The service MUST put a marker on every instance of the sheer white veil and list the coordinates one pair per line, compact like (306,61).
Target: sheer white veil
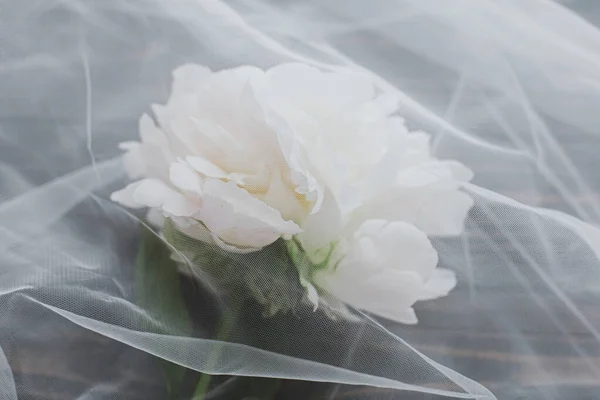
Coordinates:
(510,88)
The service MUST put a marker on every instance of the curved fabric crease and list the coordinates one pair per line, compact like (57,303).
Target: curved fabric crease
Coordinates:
(282,367)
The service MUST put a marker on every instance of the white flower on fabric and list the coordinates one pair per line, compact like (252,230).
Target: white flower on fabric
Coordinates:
(243,157)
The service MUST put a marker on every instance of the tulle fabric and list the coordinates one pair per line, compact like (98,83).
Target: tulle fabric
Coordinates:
(510,88)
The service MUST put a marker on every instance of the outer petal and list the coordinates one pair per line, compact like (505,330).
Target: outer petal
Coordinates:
(133,160)
(125,196)
(152,193)
(185,178)
(154,152)
(407,316)
(156,194)
(151,134)
(439,285)
(436,212)
(179,205)
(198,231)
(239,219)
(292,150)
(427,196)
(384,271)
(281,196)
(396,245)
(177,121)
(205,167)
(323,227)
(388,294)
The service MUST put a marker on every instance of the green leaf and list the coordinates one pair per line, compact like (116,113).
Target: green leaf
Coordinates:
(267,276)
(157,290)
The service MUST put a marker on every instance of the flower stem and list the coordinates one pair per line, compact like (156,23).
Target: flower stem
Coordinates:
(225,325)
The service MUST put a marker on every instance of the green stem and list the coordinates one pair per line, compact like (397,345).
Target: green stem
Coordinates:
(222,334)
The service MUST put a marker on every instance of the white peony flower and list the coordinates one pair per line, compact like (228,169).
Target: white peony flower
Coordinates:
(243,157)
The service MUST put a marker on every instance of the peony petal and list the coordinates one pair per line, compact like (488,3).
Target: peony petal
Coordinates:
(406,316)
(155,193)
(155,150)
(294,154)
(125,196)
(388,294)
(439,285)
(193,229)
(205,167)
(396,245)
(282,197)
(162,118)
(442,213)
(245,204)
(133,160)
(215,133)
(323,227)
(240,219)
(232,229)
(179,205)
(198,231)
(423,175)
(419,143)
(392,294)
(428,198)
(232,248)
(151,192)
(384,269)
(185,178)
(459,171)
(150,133)
(380,107)
(177,120)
